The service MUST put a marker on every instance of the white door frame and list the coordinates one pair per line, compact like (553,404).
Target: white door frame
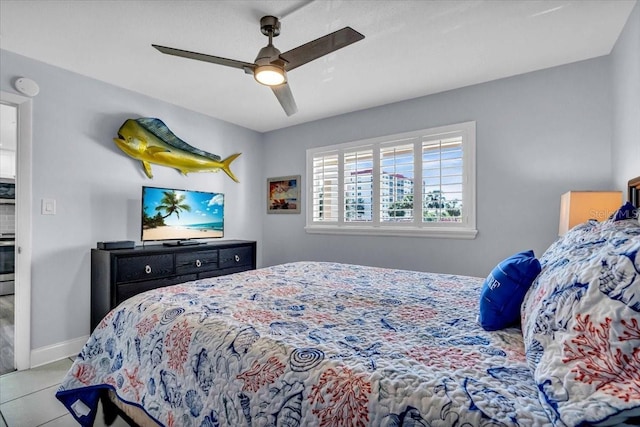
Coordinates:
(22,321)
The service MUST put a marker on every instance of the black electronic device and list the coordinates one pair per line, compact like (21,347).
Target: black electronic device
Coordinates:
(181,215)
(117,244)
(183,243)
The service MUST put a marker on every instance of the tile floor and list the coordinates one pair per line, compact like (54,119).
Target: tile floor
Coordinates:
(27,398)
(7,313)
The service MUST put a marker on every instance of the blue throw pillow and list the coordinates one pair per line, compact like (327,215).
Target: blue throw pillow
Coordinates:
(504,289)
(626,211)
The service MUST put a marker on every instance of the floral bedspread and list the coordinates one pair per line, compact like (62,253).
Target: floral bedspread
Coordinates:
(312,344)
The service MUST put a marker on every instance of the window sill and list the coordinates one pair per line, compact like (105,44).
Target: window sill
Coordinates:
(438,232)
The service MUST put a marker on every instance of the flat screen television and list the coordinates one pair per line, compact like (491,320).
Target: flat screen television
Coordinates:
(181,216)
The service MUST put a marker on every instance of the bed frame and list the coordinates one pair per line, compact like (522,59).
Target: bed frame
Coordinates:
(634,191)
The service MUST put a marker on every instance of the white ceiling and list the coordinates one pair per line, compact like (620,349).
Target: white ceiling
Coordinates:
(411,48)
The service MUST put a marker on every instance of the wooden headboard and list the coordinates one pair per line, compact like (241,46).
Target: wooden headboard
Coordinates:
(634,191)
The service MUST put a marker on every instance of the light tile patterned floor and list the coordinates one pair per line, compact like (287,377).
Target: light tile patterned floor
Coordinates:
(27,398)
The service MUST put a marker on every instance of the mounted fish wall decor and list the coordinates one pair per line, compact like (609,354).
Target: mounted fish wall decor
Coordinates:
(151,141)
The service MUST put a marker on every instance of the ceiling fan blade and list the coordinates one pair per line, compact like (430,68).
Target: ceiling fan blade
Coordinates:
(315,49)
(206,58)
(284,95)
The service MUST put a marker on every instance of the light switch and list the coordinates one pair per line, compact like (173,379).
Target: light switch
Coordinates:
(48,206)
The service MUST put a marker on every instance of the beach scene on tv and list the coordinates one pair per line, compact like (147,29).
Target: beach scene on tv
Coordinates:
(181,214)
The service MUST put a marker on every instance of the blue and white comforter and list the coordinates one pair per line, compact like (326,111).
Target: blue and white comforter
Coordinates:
(312,344)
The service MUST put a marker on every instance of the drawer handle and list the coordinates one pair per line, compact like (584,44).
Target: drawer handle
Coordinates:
(147,269)
(198,263)
(237,257)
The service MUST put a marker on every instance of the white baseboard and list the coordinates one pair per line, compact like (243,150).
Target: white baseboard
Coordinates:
(51,353)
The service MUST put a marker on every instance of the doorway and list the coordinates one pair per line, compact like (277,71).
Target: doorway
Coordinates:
(22,107)
(8,146)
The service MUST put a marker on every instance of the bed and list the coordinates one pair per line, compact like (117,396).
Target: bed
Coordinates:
(326,344)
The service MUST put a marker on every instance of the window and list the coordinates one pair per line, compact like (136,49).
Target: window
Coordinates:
(417,183)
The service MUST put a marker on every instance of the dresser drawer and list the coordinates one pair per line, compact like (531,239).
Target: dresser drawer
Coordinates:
(234,269)
(193,262)
(145,267)
(235,257)
(127,290)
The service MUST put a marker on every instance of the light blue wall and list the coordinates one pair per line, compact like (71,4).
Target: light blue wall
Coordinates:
(626,105)
(98,188)
(538,136)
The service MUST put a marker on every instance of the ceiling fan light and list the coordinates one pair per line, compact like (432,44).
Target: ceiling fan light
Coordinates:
(269,75)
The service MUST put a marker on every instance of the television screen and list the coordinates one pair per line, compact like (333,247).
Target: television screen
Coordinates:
(171,214)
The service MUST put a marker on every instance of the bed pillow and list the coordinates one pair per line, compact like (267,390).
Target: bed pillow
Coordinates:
(626,211)
(504,289)
(581,325)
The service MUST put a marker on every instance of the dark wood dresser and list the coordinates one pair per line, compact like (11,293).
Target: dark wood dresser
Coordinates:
(122,273)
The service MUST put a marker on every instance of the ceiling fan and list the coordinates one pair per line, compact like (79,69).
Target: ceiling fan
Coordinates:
(270,66)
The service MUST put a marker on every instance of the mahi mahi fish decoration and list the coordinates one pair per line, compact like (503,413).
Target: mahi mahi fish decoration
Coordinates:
(151,141)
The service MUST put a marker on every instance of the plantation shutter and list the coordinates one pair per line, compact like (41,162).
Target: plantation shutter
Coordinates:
(325,188)
(442,175)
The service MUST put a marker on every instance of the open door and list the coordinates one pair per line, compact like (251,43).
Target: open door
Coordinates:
(22,276)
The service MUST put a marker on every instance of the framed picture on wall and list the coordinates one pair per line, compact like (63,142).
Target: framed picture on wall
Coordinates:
(283,194)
